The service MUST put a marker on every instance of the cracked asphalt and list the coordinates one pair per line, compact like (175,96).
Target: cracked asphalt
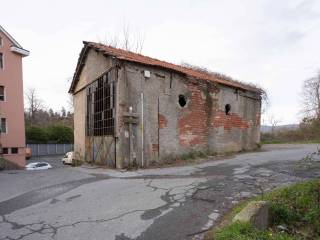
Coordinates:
(165,203)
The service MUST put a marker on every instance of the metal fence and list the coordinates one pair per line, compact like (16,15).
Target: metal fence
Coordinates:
(49,149)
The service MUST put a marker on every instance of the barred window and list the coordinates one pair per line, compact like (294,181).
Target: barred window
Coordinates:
(101,106)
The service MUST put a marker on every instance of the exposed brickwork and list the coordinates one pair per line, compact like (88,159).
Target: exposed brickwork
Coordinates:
(192,125)
(155,148)
(258,119)
(233,120)
(162,121)
(198,126)
(201,115)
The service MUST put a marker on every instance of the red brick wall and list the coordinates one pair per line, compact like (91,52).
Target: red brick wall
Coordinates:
(193,129)
(201,115)
(155,148)
(220,119)
(162,121)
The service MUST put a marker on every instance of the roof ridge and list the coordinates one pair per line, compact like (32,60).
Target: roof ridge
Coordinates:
(131,52)
(195,72)
(10,37)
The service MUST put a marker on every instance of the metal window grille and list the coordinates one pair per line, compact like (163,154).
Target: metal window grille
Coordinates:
(101,106)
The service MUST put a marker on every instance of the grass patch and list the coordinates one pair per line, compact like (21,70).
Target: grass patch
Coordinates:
(277,141)
(244,231)
(193,155)
(296,208)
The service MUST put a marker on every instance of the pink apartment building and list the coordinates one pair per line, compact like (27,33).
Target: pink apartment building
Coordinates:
(12,135)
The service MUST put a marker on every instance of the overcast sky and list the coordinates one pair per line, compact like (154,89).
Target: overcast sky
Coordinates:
(275,44)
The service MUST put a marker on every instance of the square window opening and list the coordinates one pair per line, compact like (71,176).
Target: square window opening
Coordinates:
(14,150)
(4,150)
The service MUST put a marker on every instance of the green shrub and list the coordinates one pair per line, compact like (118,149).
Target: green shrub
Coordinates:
(36,135)
(297,207)
(245,231)
(192,155)
(60,134)
(308,131)
(53,133)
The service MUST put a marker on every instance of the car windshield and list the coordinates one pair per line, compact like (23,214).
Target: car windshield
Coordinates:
(41,165)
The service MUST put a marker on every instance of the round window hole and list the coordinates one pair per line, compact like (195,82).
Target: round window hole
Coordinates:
(182,100)
(227,109)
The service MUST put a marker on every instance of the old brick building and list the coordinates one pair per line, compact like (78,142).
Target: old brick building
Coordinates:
(130,108)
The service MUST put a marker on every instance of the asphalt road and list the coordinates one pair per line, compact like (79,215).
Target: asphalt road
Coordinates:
(166,203)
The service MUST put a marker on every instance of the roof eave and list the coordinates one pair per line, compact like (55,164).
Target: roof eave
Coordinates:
(235,85)
(21,51)
(78,68)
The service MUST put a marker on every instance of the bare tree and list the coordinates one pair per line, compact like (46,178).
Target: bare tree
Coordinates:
(63,112)
(274,122)
(34,104)
(126,40)
(311,97)
(70,103)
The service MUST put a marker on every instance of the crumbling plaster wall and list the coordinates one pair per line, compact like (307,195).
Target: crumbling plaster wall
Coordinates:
(168,129)
(201,125)
(95,65)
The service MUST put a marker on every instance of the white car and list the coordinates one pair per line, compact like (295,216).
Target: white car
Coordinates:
(38,166)
(67,159)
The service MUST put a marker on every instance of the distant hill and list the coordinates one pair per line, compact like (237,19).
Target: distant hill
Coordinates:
(266,128)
